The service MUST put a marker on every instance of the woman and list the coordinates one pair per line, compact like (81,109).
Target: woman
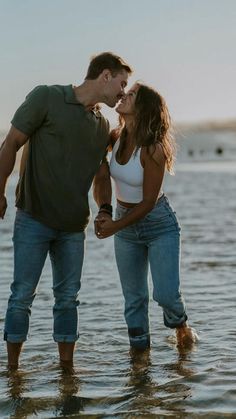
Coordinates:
(146,228)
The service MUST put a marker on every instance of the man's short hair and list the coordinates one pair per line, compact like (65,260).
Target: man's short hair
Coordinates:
(109,61)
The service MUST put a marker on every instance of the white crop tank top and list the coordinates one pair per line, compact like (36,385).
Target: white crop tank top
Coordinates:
(128,178)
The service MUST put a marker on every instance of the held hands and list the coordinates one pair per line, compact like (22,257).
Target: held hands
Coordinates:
(3,206)
(104,226)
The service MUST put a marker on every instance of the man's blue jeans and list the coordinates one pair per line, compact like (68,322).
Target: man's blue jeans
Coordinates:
(154,240)
(32,242)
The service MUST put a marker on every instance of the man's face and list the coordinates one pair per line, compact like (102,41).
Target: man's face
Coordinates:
(114,88)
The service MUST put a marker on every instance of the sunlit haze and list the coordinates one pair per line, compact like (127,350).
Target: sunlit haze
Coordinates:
(183,48)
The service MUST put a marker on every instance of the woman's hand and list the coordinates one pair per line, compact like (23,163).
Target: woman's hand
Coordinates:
(100,218)
(106,228)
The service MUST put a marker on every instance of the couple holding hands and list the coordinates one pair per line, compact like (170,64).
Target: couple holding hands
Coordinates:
(66,140)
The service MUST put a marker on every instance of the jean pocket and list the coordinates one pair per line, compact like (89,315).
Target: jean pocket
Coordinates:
(172,215)
(162,218)
(21,218)
(157,214)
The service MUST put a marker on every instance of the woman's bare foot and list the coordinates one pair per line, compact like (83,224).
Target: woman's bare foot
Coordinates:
(185,336)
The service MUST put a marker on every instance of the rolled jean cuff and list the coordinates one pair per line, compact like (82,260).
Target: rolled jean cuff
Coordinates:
(176,323)
(140,342)
(14,338)
(65,338)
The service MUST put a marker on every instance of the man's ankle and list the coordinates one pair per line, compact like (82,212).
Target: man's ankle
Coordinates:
(13,351)
(66,351)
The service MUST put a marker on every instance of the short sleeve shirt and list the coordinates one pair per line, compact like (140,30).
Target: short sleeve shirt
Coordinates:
(66,146)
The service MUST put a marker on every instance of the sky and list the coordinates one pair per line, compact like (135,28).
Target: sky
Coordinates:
(183,48)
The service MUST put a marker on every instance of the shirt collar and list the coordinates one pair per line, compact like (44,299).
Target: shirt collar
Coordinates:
(70,98)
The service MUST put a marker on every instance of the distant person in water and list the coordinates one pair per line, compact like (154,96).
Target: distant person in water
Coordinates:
(146,229)
(67,139)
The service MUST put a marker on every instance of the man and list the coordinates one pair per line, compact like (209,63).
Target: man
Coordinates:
(66,139)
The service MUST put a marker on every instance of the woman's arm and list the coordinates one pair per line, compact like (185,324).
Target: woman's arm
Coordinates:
(154,169)
(102,185)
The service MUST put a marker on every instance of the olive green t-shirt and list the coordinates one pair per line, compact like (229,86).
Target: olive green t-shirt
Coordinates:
(66,146)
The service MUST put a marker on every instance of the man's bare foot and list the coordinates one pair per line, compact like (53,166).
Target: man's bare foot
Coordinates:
(12,367)
(13,351)
(66,366)
(185,336)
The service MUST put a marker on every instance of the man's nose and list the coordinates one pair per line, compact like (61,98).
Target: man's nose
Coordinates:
(121,95)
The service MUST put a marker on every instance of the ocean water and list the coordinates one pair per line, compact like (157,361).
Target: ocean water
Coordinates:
(107,381)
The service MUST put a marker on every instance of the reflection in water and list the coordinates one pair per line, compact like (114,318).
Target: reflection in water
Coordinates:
(176,390)
(168,381)
(17,386)
(147,393)
(180,367)
(141,386)
(68,402)
(140,379)
(143,392)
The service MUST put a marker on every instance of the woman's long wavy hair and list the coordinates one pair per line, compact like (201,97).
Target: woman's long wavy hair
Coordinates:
(152,125)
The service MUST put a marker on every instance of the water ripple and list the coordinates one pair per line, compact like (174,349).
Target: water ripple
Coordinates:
(108,380)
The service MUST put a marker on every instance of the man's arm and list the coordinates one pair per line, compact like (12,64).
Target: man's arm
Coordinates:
(15,139)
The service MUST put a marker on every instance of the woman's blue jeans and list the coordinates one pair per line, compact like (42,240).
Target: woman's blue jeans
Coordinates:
(154,240)
(32,242)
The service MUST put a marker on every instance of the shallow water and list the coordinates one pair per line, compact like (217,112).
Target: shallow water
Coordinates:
(107,380)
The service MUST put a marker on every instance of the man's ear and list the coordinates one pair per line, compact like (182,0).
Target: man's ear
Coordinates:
(106,75)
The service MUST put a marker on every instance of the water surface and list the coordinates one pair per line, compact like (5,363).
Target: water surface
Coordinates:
(107,381)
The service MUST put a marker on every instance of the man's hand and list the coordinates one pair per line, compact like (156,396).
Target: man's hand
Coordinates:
(3,206)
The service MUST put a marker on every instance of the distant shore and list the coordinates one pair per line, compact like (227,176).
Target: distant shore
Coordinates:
(227,125)
(208,126)
(204,126)
(181,130)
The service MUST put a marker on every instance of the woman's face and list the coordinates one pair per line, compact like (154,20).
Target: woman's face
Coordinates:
(127,103)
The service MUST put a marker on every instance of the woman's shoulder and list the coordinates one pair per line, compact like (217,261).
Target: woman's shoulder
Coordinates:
(154,152)
(113,138)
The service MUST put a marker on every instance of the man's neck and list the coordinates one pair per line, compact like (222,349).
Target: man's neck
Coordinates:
(86,94)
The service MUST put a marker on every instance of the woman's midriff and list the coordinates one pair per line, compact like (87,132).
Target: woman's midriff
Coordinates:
(131,205)
(126,204)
